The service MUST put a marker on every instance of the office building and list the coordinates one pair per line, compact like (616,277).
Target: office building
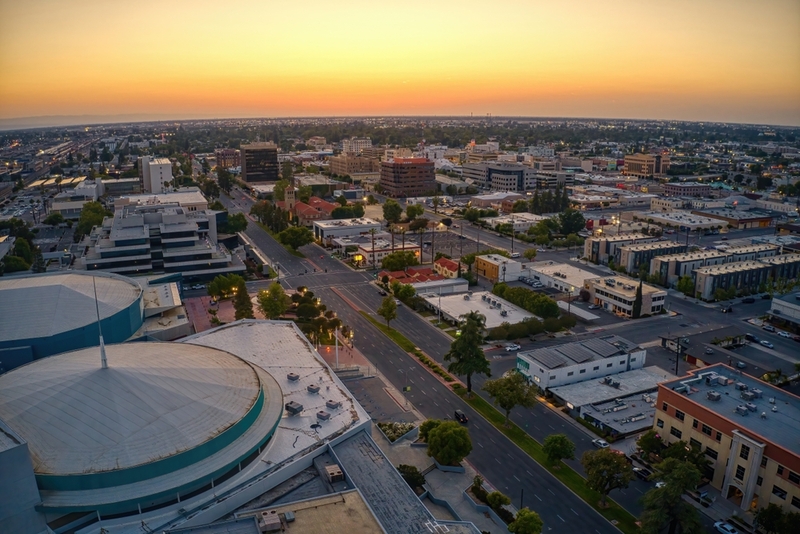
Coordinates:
(561,276)
(494,200)
(448,268)
(495,310)
(259,162)
(617,294)
(569,363)
(646,166)
(687,189)
(227,157)
(373,252)
(155,173)
(747,429)
(407,177)
(500,176)
(163,238)
(122,186)
(355,145)
(189,198)
(497,268)
(347,164)
(599,249)
(520,222)
(631,257)
(785,310)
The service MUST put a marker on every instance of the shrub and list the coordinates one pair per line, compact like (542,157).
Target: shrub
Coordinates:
(426,427)
(395,431)
(411,475)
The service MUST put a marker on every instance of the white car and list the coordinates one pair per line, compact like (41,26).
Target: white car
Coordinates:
(541,250)
(512,347)
(784,334)
(725,528)
(600,443)
(767,344)
(660,484)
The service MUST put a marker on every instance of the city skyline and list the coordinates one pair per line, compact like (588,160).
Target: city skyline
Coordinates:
(698,61)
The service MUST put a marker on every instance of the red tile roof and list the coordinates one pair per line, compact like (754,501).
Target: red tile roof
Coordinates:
(448,264)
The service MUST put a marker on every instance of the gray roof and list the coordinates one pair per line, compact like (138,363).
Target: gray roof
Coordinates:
(781,427)
(577,352)
(154,400)
(630,383)
(245,525)
(45,305)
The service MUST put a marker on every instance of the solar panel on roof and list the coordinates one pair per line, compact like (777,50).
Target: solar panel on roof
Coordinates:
(603,348)
(576,352)
(548,358)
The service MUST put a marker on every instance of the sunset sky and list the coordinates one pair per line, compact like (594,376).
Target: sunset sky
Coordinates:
(720,60)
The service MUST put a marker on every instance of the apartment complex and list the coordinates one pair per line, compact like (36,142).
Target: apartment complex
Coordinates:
(163,238)
(497,268)
(227,157)
(259,162)
(600,248)
(631,257)
(347,164)
(741,275)
(646,165)
(746,428)
(407,177)
(673,266)
(500,176)
(580,360)
(617,294)
(155,173)
(355,145)
(687,189)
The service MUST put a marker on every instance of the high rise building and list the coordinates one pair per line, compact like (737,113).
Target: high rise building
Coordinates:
(227,157)
(646,165)
(155,172)
(259,162)
(407,177)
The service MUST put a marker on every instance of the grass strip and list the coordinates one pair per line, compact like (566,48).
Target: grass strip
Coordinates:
(404,343)
(625,521)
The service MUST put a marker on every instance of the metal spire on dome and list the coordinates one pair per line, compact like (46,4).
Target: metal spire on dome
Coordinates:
(103,361)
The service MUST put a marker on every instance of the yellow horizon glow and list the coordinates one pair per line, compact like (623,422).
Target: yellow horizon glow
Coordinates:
(707,60)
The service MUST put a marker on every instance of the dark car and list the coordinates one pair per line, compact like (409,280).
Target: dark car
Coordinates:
(751,337)
(766,296)
(727,309)
(748,300)
(642,473)
(381,292)
(460,416)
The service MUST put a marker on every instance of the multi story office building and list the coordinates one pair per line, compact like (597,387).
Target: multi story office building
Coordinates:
(646,165)
(163,238)
(155,172)
(500,176)
(631,257)
(747,428)
(355,145)
(617,294)
(687,189)
(259,162)
(227,157)
(551,180)
(370,253)
(600,248)
(580,360)
(347,164)
(407,177)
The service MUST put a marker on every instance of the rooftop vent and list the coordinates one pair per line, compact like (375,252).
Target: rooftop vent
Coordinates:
(741,410)
(334,473)
(757,392)
(713,395)
(741,386)
(294,408)
(748,395)
(293,377)
(269,521)
(333,404)
(313,388)
(750,406)
(323,415)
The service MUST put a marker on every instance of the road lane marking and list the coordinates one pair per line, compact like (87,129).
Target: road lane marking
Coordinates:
(518,480)
(574,512)
(540,499)
(531,474)
(551,491)
(561,518)
(498,461)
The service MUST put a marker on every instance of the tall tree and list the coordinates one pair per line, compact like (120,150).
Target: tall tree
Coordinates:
(685,285)
(636,312)
(558,447)
(770,518)
(273,301)
(526,522)
(509,391)
(242,304)
(605,471)
(296,236)
(414,210)
(392,211)
(466,355)
(665,507)
(388,309)
(449,443)
(38,265)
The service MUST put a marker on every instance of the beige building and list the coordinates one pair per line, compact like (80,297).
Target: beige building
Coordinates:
(646,165)
(600,248)
(352,164)
(747,428)
(618,293)
(631,257)
(497,268)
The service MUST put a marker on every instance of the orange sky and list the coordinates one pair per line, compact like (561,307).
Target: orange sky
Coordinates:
(726,60)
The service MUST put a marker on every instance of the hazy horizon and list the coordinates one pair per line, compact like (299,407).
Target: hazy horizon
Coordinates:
(733,61)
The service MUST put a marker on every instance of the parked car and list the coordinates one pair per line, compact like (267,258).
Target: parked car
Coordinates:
(768,328)
(752,337)
(460,416)
(784,334)
(642,473)
(515,255)
(512,347)
(397,301)
(381,292)
(725,528)
(594,306)
(723,238)
(600,443)
(709,351)
(741,365)
(765,343)
(727,309)
(660,484)
(767,296)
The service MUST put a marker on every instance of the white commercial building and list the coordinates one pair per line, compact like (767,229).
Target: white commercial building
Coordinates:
(520,221)
(561,276)
(580,360)
(328,230)
(496,310)
(190,198)
(155,172)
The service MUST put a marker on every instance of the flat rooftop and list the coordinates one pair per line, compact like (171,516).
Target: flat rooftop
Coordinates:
(577,352)
(684,218)
(598,391)
(623,285)
(732,267)
(791,298)
(692,256)
(736,215)
(340,223)
(247,525)
(625,237)
(781,427)
(782,259)
(454,306)
(656,245)
(570,274)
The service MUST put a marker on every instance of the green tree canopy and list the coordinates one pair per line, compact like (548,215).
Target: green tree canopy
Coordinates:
(418,224)
(414,210)
(236,223)
(242,304)
(558,447)
(398,261)
(526,522)
(13,264)
(53,219)
(636,312)
(770,518)
(388,309)
(509,391)
(426,427)
(466,356)
(685,285)
(222,286)
(665,507)
(571,221)
(296,236)
(22,249)
(392,211)
(92,215)
(606,470)
(449,443)
(651,442)
(529,254)
(279,192)
(273,301)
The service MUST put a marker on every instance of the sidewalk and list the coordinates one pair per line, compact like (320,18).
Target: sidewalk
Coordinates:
(446,486)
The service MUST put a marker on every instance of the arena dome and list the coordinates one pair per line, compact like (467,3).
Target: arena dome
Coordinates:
(162,419)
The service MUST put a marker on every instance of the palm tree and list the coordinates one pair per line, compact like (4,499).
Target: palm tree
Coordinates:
(372,233)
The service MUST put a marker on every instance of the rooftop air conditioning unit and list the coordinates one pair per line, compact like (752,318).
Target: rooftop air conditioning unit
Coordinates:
(751,406)
(332,404)
(293,377)
(757,392)
(741,386)
(741,410)
(713,395)
(312,388)
(748,395)
(294,408)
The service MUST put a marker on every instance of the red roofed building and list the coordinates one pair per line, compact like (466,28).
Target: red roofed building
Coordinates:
(411,275)
(446,267)
(306,213)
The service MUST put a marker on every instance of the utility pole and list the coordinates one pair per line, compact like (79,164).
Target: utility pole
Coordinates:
(461,252)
